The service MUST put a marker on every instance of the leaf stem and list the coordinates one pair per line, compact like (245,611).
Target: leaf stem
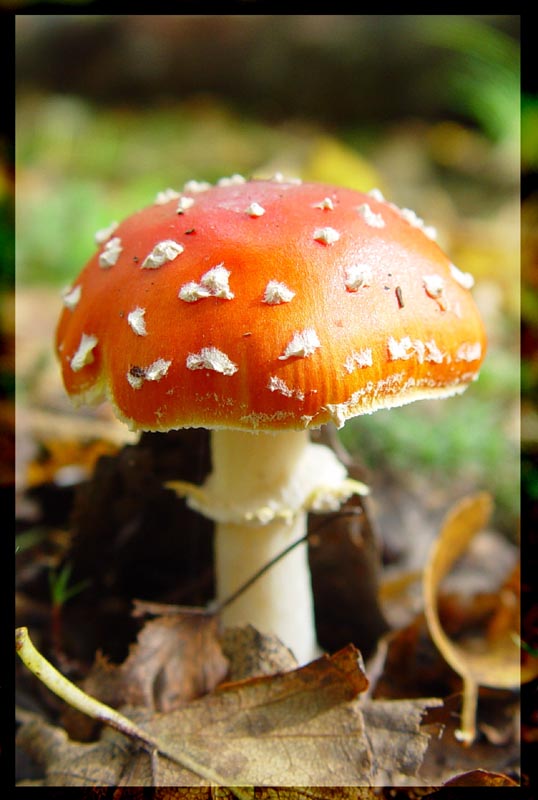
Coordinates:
(70,693)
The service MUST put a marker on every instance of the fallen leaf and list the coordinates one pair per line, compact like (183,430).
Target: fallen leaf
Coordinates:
(397,738)
(251,653)
(407,663)
(489,660)
(305,727)
(298,728)
(69,763)
(176,659)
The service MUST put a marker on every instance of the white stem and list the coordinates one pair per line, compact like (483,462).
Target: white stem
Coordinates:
(278,602)
(259,491)
(247,466)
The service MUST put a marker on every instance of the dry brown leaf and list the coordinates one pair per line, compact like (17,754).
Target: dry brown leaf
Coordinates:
(397,738)
(298,728)
(410,663)
(252,653)
(491,660)
(176,659)
(69,763)
(306,727)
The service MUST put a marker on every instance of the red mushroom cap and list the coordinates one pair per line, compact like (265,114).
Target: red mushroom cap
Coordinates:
(267,305)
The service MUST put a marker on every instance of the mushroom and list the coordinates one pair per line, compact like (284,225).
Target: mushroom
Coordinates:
(260,309)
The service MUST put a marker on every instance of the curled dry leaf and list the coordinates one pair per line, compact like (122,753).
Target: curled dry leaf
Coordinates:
(493,660)
(176,659)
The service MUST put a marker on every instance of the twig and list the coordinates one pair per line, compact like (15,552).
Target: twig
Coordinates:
(216,607)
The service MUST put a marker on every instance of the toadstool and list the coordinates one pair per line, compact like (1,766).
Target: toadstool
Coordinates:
(260,309)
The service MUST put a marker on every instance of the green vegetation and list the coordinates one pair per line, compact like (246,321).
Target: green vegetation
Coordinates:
(81,167)
(60,589)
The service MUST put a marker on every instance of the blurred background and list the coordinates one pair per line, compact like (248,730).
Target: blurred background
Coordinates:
(112,109)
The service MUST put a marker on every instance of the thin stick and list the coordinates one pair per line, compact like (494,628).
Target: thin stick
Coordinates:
(217,607)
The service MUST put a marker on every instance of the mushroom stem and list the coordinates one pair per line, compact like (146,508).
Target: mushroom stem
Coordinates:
(279,601)
(264,466)
(248,465)
(258,493)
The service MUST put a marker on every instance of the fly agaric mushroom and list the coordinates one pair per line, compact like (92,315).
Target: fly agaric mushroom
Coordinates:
(260,309)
